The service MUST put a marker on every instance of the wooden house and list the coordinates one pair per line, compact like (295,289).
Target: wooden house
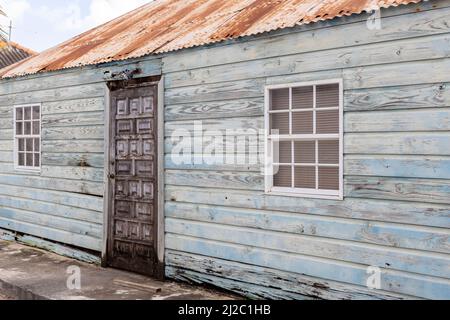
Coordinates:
(341,192)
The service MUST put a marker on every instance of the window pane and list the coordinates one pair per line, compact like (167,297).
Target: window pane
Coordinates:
(37,144)
(305,177)
(280,122)
(29,159)
(328,96)
(279,99)
(27,127)
(29,145)
(21,159)
(283,176)
(37,160)
(302,122)
(305,151)
(36,113)
(19,114)
(303,98)
(285,152)
(329,178)
(27,113)
(19,128)
(329,152)
(328,121)
(36,127)
(21,144)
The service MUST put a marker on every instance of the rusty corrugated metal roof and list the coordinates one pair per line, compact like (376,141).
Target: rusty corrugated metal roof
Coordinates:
(168,25)
(11,52)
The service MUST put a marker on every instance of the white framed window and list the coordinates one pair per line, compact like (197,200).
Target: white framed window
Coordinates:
(27,137)
(304,139)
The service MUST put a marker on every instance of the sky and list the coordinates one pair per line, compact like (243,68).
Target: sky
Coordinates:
(42,24)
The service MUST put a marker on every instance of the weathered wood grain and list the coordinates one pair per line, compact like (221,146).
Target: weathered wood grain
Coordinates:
(423,190)
(65,185)
(422,48)
(394,281)
(63,132)
(237,277)
(356,230)
(407,143)
(215,109)
(431,120)
(400,97)
(80,146)
(74,173)
(73,160)
(415,213)
(431,167)
(75,105)
(227,180)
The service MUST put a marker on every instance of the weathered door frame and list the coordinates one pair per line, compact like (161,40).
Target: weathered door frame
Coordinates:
(160,174)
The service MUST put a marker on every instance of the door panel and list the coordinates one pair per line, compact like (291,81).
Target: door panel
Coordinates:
(132,238)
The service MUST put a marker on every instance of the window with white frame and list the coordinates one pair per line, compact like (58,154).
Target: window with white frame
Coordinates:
(27,137)
(304,139)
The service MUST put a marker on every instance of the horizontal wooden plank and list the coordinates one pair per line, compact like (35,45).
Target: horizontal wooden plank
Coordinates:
(401,22)
(78,146)
(228,180)
(58,249)
(423,190)
(6,156)
(210,92)
(87,132)
(73,119)
(51,221)
(431,264)
(398,143)
(386,234)
(215,109)
(415,49)
(65,185)
(63,198)
(394,281)
(403,97)
(76,105)
(60,236)
(407,73)
(398,121)
(53,209)
(240,162)
(398,166)
(214,127)
(415,213)
(257,282)
(73,160)
(50,95)
(74,173)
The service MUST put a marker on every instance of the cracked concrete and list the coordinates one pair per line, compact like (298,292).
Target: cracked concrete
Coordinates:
(29,273)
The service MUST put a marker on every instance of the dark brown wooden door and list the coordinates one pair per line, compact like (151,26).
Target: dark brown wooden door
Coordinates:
(132,238)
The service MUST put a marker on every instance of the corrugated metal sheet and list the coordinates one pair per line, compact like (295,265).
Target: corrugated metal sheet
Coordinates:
(169,25)
(11,52)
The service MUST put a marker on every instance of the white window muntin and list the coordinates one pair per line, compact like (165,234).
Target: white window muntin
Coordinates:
(271,139)
(33,136)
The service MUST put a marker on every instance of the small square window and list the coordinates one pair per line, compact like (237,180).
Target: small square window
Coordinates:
(27,137)
(305,132)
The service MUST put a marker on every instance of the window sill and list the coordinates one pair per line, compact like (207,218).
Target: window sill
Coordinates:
(304,195)
(35,172)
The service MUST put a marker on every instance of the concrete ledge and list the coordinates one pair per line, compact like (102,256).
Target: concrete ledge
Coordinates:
(28,273)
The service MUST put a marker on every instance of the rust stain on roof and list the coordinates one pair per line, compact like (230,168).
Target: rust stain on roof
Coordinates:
(168,25)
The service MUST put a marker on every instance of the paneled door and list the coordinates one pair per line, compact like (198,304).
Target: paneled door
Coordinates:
(132,238)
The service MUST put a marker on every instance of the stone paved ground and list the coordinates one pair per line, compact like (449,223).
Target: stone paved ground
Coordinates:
(37,274)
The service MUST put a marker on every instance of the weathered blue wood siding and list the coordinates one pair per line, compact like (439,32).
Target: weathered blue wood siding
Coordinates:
(221,227)
(64,202)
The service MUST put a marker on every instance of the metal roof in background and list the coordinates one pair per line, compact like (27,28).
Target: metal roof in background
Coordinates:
(11,52)
(168,25)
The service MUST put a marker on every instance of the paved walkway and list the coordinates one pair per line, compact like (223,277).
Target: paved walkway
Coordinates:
(29,273)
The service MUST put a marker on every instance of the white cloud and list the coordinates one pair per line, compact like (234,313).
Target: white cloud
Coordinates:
(16,9)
